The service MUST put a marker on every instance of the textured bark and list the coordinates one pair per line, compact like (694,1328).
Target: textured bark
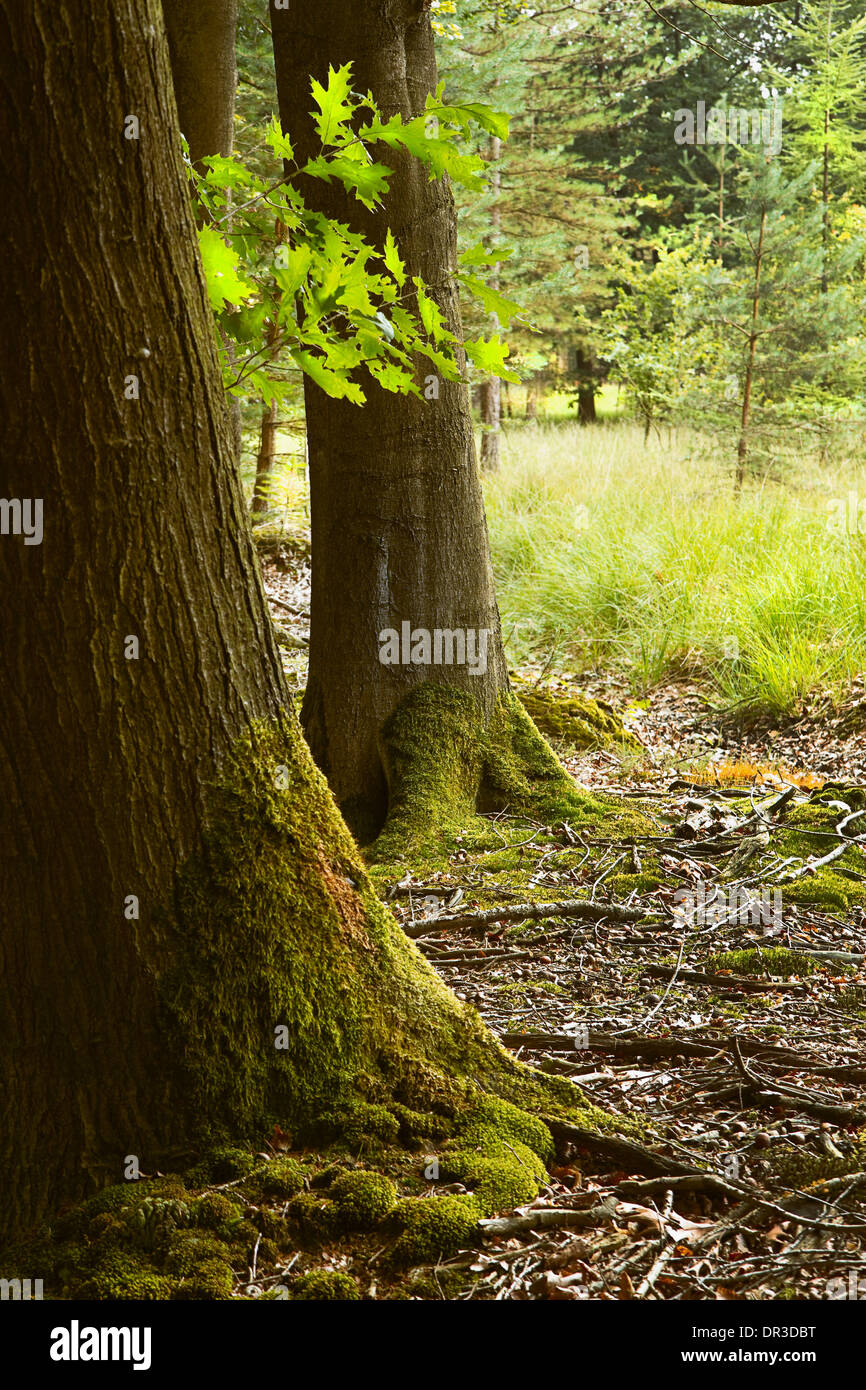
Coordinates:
(491,391)
(201,40)
(202,48)
(266,459)
(124,1035)
(399,531)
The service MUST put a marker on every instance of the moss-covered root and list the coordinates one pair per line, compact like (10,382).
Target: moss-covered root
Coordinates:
(445,760)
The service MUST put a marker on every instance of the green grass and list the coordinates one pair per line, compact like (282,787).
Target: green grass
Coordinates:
(611,551)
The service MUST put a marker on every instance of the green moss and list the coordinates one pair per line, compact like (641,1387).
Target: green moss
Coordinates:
(315,1216)
(214,1210)
(767,960)
(575,721)
(282,1177)
(416,1126)
(446,757)
(363,1199)
(280,938)
(799,1168)
(621,885)
(151,1222)
(240,1234)
(809,833)
(270,1223)
(365,1121)
(500,1152)
(123,1276)
(190,1251)
(434,1228)
(329,1284)
(226,1164)
(213,1279)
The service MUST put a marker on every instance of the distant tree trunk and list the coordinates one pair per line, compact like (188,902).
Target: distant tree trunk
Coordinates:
(491,390)
(201,42)
(266,460)
(745,416)
(202,47)
(532,400)
(585,388)
(176,880)
(491,411)
(398,526)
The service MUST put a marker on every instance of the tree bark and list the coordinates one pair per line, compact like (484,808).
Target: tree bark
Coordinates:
(201,41)
(491,390)
(202,44)
(266,459)
(748,382)
(176,879)
(585,388)
(398,525)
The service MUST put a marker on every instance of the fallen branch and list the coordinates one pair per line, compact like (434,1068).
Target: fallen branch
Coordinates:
(569,907)
(631,1157)
(547,1218)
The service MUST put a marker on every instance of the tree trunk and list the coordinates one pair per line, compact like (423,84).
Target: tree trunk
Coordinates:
(491,390)
(532,400)
(266,459)
(202,46)
(201,42)
(176,880)
(398,524)
(491,416)
(585,388)
(745,415)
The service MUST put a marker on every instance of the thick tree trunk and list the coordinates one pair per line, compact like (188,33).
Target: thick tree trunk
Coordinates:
(176,880)
(399,531)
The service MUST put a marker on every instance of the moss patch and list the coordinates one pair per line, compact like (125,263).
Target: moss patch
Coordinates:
(329,1284)
(434,1228)
(773,960)
(575,721)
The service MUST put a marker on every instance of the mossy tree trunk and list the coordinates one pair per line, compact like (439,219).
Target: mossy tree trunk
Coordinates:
(398,524)
(177,883)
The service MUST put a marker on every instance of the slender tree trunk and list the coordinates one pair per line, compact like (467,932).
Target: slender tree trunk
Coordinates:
(721,202)
(176,880)
(532,400)
(585,388)
(745,416)
(398,524)
(266,460)
(491,390)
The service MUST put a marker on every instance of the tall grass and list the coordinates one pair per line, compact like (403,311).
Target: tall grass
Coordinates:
(609,550)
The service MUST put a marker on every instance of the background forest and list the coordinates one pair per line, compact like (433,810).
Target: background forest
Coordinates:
(695,295)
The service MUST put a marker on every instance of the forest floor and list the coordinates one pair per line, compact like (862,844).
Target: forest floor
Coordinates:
(730,1021)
